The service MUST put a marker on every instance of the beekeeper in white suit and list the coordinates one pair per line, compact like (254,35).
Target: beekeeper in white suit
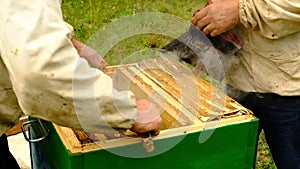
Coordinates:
(268,74)
(42,74)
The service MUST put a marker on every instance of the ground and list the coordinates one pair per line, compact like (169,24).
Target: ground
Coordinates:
(19,147)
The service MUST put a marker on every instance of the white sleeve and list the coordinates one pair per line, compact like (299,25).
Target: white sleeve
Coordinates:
(49,78)
(273,19)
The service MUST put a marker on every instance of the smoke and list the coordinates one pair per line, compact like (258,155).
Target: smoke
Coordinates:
(204,53)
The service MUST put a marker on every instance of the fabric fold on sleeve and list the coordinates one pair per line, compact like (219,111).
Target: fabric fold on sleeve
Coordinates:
(273,19)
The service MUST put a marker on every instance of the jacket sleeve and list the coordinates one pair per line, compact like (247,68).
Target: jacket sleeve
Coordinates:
(49,78)
(273,19)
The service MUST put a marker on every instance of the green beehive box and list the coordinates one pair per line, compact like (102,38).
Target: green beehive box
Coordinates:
(209,131)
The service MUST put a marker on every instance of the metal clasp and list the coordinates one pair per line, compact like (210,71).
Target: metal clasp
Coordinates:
(44,132)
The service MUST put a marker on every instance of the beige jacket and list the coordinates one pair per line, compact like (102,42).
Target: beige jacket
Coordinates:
(43,76)
(270,59)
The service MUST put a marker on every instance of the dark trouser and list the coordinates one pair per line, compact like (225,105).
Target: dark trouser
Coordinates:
(7,161)
(280,119)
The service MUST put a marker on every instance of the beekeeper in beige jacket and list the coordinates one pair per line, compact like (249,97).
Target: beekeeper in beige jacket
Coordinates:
(268,74)
(43,76)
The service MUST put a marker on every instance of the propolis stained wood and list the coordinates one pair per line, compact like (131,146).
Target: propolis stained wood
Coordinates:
(191,108)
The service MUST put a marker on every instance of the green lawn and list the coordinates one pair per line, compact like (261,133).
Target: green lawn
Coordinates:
(88,16)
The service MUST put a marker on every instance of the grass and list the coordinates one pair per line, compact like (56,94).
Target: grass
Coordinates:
(264,157)
(88,16)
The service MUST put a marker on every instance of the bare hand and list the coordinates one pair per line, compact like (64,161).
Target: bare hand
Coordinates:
(92,56)
(148,120)
(218,17)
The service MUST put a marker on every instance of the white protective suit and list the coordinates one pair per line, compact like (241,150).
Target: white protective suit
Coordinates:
(43,76)
(270,58)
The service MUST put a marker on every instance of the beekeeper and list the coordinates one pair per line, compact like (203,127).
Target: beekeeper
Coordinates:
(43,76)
(268,74)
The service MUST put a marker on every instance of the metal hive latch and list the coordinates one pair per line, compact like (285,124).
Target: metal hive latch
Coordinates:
(44,131)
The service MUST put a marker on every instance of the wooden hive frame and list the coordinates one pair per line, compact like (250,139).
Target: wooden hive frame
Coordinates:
(156,78)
